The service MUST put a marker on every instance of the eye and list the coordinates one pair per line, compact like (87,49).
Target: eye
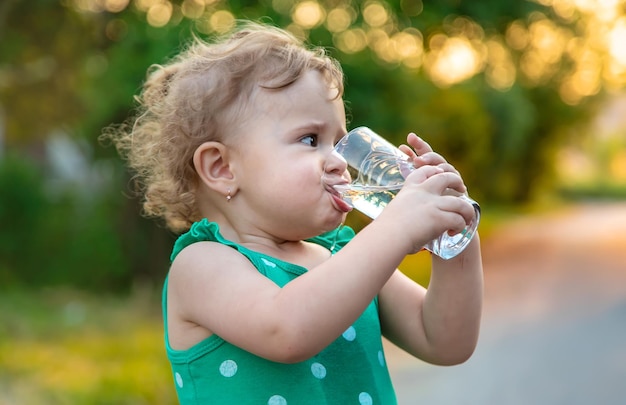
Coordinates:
(310,140)
(339,140)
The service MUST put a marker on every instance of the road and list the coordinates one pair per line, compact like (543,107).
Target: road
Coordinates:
(554,323)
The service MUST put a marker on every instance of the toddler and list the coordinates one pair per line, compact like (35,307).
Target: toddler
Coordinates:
(269,299)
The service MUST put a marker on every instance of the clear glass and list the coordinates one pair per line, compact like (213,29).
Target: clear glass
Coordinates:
(378,170)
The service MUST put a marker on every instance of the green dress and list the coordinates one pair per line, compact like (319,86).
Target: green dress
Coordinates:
(351,370)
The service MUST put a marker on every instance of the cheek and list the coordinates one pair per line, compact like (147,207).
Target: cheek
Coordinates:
(301,179)
(288,178)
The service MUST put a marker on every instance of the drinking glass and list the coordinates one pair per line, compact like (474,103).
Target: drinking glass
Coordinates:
(377,171)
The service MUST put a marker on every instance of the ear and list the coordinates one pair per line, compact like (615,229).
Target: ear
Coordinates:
(211,161)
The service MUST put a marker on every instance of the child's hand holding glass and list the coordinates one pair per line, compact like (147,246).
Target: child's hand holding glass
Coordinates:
(378,171)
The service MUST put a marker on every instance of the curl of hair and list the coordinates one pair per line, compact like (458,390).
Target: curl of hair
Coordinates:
(195,98)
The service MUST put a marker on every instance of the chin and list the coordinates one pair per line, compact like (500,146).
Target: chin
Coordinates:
(332,225)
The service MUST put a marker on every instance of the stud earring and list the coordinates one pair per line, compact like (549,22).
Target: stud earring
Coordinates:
(228,196)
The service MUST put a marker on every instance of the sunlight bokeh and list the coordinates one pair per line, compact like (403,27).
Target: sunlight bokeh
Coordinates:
(453,59)
(308,14)
(575,48)
(581,52)
(531,104)
(340,18)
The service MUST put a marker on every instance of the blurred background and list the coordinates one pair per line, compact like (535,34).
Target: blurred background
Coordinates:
(525,97)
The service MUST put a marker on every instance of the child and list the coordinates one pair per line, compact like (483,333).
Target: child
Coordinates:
(268,299)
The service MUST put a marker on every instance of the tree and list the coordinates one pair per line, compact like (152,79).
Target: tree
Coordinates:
(495,86)
(409,65)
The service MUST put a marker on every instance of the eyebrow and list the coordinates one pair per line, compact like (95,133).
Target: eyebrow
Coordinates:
(316,127)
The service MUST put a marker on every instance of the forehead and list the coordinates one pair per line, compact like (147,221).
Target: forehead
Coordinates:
(311,91)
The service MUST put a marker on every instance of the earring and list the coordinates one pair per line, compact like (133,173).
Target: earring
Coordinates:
(228,196)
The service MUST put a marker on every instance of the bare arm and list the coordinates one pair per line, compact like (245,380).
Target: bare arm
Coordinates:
(218,289)
(439,325)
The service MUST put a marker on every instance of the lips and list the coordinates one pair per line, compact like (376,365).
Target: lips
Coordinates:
(338,202)
(341,204)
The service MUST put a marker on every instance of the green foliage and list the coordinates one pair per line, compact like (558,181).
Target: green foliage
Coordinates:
(43,48)
(23,206)
(76,69)
(52,235)
(594,192)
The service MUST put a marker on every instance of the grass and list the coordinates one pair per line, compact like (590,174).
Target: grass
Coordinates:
(66,347)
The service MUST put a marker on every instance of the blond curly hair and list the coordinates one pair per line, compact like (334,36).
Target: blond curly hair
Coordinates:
(196,97)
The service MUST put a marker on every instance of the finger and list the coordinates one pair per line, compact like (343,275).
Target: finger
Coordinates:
(447,167)
(408,151)
(467,210)
(423,173)
(439,183)
(463,210)
(457,223)
(420,146)
(448,218)
(429,158)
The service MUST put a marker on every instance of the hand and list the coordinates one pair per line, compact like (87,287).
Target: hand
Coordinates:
(420,154)
(424,208)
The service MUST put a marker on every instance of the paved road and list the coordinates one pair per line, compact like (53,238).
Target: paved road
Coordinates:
(554,325)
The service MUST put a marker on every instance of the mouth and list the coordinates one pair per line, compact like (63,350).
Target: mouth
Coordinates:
(336,197)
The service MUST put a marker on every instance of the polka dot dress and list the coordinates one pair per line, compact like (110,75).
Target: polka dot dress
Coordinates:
(351,370)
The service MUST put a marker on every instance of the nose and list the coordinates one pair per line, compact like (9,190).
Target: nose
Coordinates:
(335,164)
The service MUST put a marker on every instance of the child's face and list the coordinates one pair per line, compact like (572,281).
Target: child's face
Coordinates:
(281,154)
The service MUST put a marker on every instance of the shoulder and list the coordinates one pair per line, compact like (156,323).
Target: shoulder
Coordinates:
(204,271)
(205,261)
(200,279)
(206,257)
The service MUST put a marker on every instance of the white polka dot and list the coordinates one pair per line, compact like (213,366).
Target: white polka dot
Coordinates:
(318,370)
(228,368)
(381,358)
(277,400)
(179,380)
(268,263)
(349,334)
(365,399)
